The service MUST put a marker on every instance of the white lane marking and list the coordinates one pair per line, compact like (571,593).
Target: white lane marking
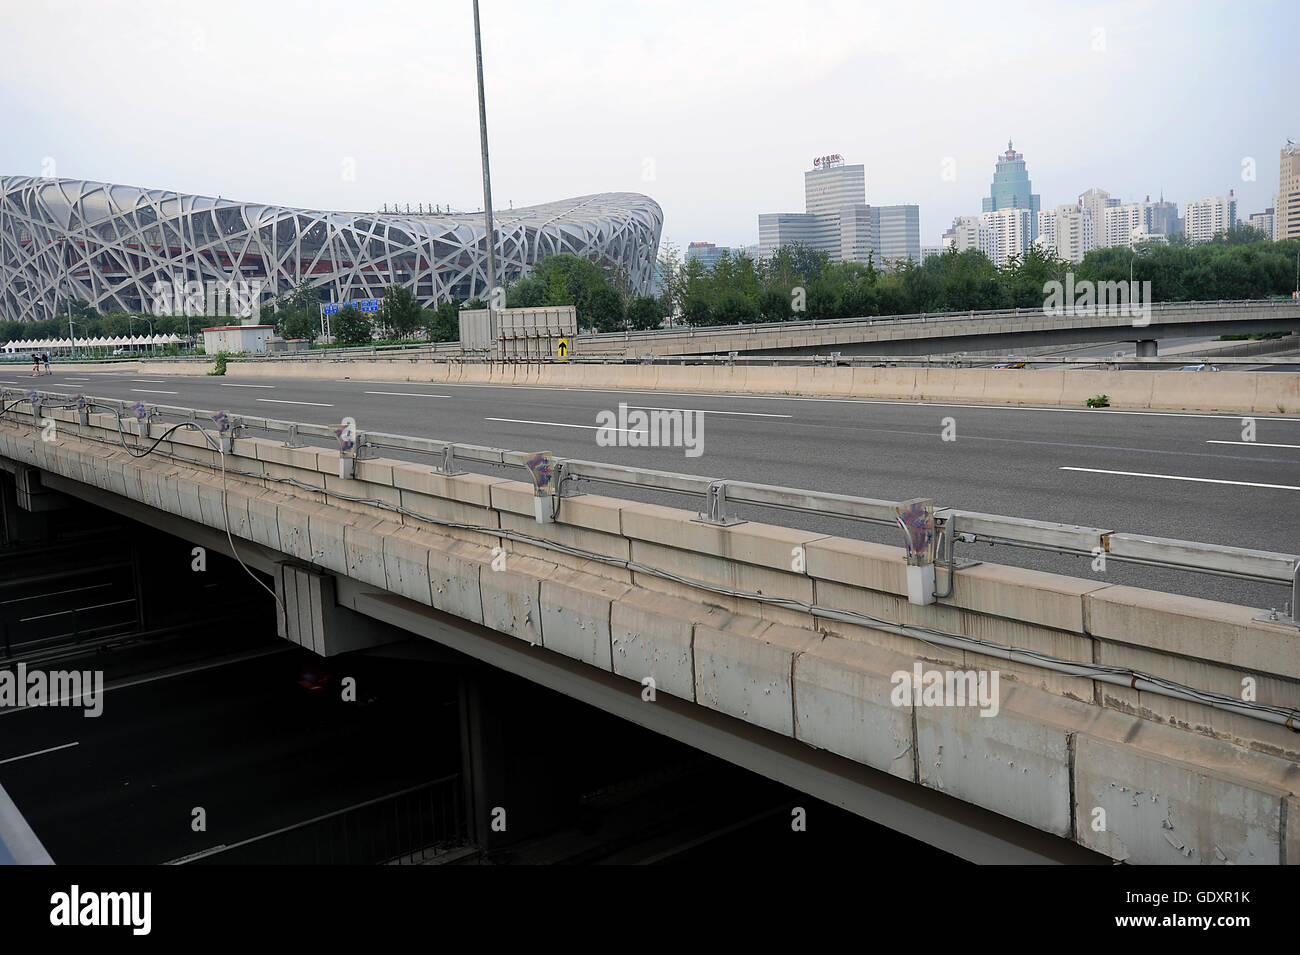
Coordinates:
(557,424)
(404,394)
(746,414)
(1256,444)
(880,401)
(6,381)
(231,384)
(1179,477)
(150,391)
(167,675)
(283,401)
(149,381)
(78,379)
(39,752)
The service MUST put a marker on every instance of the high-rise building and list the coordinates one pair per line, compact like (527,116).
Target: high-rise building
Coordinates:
(897,231)
(838,221)
(999,235)
(776,229)
(1068,231)
(1012,189)
(1263,221)
(1165,219)
(1205,218)
(1127,224)
(1286,222)
(707,254)
(831,185)
(963,234)
(857,232)
(1095,202)
(1005,233)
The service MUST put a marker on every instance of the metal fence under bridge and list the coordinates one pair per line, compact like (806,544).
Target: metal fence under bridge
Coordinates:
(411,826)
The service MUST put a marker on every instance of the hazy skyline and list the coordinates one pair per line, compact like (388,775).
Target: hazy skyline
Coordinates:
(714,110)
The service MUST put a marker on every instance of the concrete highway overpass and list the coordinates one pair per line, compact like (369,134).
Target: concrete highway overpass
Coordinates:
(1120,733)
(957,331)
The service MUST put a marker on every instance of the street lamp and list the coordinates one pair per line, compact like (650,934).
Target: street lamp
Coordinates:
(487,180)
(68,279)
(150,324)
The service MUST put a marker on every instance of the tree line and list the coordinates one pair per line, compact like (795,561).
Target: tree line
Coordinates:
(795,282)
(801,283)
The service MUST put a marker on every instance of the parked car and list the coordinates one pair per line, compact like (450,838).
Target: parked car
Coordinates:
(1199,367)
(1011,364)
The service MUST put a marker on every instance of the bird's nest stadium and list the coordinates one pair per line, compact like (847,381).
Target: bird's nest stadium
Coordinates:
(113,246)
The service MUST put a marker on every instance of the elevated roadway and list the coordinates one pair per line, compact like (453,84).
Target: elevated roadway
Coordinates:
(1120,730)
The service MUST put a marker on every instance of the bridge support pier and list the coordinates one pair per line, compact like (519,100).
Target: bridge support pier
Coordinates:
(1146,348)
(18,524)
(312,617)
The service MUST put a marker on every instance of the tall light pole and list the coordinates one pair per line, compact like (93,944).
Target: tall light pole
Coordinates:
(68,279)
(487,179)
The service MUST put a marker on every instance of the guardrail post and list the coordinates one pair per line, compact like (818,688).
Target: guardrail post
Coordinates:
(448,465)
(291,439)
(715,506)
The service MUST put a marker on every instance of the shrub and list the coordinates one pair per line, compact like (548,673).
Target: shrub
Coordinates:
(219,367)
(1099,401)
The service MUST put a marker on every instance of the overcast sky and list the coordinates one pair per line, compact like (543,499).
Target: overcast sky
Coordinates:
(713,108)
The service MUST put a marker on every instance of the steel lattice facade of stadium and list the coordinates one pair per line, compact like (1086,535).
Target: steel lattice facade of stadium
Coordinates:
(108,245)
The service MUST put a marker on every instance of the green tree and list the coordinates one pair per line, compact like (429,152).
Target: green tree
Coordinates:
(604,309)
(527,293)
(400,311)
(352,327)
(644,314)
(299,323)
(444,322)
(668,269)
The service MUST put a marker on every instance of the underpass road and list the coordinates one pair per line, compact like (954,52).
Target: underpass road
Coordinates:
(242,741)
(1179,475)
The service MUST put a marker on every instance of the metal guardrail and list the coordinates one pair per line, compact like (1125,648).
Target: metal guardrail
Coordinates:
(953,525)
(924,317)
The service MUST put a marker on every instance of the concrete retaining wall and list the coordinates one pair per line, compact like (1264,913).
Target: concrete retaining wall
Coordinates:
(1139,777)
(1230,392)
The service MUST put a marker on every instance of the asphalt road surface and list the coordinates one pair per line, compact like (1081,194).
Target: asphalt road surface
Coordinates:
(237,737)
(1175,475)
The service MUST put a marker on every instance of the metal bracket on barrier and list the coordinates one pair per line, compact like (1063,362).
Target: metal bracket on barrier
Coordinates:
(1291,611)
(715,502)
(365,450)
(448,465)
(83,413)
(949,537)
(291,439)
(565,482)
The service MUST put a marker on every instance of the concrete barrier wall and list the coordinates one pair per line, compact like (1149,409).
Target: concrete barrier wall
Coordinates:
(1229,392)
(1059,748)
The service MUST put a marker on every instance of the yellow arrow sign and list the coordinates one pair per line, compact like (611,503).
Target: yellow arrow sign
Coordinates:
(562,349)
